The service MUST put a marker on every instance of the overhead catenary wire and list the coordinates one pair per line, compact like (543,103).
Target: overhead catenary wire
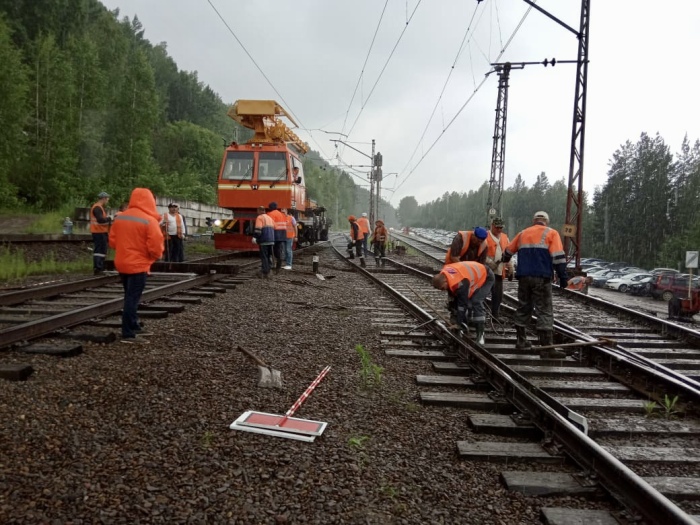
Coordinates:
(469,99)
(286,104)
(384,68)
(447,80)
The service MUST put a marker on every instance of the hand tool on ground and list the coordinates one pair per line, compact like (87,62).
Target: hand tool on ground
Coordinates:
(449,325)
(303,397)
(602,342)
(269,377)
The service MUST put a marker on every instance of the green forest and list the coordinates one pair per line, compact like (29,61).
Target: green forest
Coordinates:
(88,104)
(645,214)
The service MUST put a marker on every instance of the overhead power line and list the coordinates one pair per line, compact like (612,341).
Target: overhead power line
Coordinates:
(384,68)
(286,104)
(469,99)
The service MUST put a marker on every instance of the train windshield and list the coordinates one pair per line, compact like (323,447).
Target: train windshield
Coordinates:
(239,165)
(272,166)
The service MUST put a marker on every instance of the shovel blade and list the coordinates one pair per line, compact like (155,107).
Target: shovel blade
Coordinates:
(269,377)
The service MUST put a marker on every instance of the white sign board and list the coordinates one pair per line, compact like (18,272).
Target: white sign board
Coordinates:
(691,259)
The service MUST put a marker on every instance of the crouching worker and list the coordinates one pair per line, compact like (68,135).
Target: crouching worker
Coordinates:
(378,240)
(579,284)
(467,284)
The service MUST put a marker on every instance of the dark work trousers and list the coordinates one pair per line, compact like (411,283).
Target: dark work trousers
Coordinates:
(496,294)
(477,314)
(364,244)
(535,292)
(265,255)
(379,249)
(100,251)
(133,284)
(174,249)
(279,252)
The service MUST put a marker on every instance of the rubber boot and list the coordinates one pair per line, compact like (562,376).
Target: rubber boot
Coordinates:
(479,333)
(362,261)
(546,338)
(522,343)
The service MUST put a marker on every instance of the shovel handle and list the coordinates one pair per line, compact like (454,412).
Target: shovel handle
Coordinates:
(255,358)
(603,342)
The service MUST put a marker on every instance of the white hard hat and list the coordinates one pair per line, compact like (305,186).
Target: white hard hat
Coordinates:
(541,215)
(364,215)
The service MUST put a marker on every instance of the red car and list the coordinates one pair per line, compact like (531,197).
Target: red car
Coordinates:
(670,285)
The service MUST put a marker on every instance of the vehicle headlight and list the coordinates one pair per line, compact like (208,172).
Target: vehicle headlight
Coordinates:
(217,222)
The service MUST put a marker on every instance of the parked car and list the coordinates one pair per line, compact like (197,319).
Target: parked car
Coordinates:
(642,287)
(632,269)
(657,271)
(621,284)
(600,279)
(670,285)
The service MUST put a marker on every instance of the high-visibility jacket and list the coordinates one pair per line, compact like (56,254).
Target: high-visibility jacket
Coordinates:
(363,223)
(264,229)
(491,251)
(466,238)
(136,235)
(280,220)
(95,226)
(291,227)
(355,232)
(539,250)
(577,284)
(380,235)
(455,273)
(174,223)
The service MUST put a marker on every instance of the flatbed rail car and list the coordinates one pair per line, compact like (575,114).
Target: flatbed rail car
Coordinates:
(262,171)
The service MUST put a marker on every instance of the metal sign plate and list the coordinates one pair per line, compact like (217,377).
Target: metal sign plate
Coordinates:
(691,259)
(569,230)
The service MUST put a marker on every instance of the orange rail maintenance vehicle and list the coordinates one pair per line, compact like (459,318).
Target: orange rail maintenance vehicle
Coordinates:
(265,169)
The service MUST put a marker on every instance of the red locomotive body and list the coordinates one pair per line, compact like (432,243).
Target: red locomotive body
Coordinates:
(266,169)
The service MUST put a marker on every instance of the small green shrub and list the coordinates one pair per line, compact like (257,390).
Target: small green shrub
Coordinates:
(358,442)
(370,374)
(669,406)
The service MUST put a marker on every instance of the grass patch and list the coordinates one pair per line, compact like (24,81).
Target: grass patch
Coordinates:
(371,374)
(14,266)
(197,248)
(50,222)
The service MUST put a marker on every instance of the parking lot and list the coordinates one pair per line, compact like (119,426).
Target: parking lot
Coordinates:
(642,304)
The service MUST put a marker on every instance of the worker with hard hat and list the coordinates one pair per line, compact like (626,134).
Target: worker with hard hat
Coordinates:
(363,223)
(540,253)
(496,243)
(356,241)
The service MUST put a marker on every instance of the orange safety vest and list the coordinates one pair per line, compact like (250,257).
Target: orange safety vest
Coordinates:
(291,230)
(353,235)
(363,223)
(491,247)
(466,237)
(577,283)
(456,272)
(178,224)
(96,227)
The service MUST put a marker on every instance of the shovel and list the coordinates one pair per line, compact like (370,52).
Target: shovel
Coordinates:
(602,342)
(269,377)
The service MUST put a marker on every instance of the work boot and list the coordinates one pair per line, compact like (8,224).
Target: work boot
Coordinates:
(376,261)
(362,262)
(383,262)
(479,332)
(522,343)
(546,338)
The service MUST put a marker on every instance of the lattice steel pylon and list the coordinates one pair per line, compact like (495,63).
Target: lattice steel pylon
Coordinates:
(498,155)
(574,201)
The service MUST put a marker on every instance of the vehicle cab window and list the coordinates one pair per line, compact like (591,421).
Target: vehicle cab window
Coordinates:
(272,166)
(238,165)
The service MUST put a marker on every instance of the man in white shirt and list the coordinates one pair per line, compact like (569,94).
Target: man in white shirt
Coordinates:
(175,231)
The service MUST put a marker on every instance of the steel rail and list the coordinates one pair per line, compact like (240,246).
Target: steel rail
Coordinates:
(630,488)
(47,325)
(39,292)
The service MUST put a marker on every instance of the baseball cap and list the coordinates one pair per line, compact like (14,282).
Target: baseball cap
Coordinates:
(497,221)
(480,232)
(272,206)
(364,215)
(541,215)
(103,195)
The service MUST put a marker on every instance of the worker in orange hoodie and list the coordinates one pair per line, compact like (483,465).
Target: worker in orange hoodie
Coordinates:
(379,239)
(137,238)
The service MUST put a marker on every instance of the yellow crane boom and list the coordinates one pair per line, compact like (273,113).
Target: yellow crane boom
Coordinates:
(261,117)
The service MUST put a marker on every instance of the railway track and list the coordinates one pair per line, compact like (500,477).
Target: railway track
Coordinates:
(627,416)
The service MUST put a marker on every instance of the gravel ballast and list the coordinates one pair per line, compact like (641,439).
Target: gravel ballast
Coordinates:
(140,434)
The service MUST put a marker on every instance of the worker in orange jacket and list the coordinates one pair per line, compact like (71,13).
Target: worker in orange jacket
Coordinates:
(579,284)
(291,238)
(467,284)
(280,221)
(363,223)
(379,239)
(540,252)
(496,243)
(356,241)
(468,246)
(138,240)
(99,228)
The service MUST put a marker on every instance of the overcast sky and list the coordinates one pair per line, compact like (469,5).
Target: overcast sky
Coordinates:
(642,78)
